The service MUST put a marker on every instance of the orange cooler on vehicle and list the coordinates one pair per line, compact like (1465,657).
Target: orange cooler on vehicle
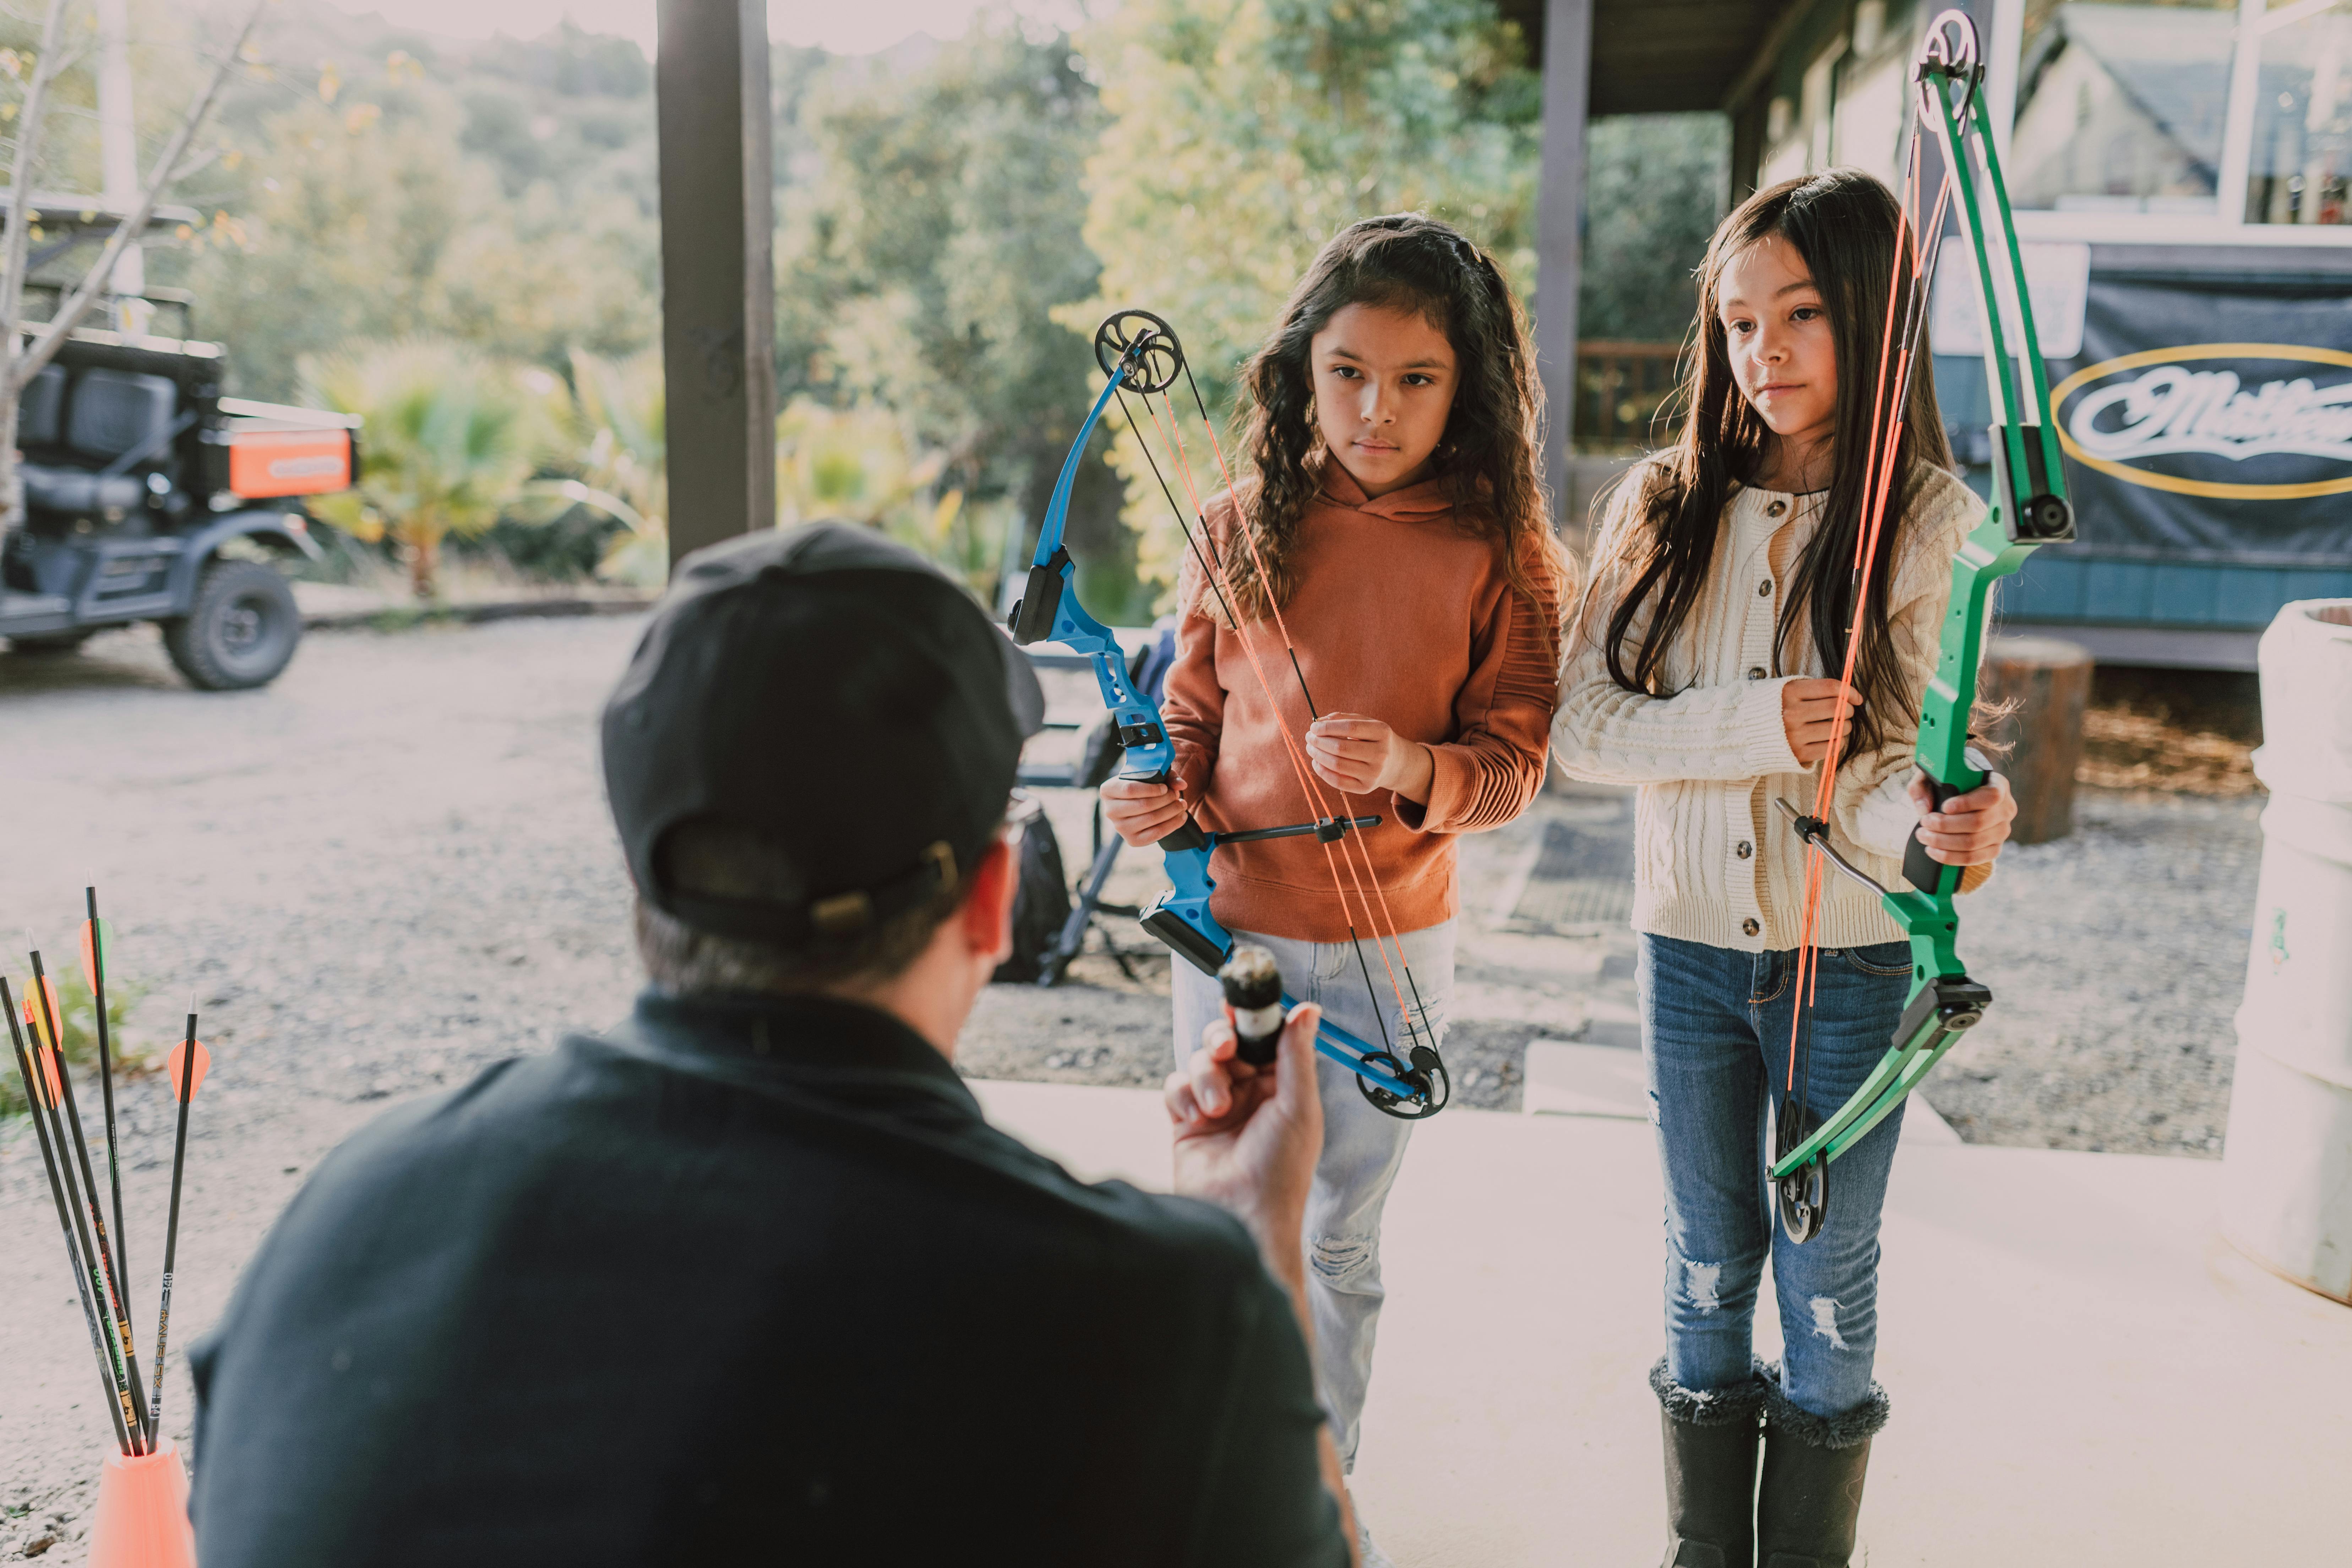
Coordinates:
(276,449)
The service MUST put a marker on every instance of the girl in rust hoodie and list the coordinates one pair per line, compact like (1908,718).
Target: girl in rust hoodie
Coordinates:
(1393,533)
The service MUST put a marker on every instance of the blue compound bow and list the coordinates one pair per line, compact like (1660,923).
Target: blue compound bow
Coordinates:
(1139,351)
(2029,509)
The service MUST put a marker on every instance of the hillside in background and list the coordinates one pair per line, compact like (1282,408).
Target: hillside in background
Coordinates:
(950,218)
(382,181)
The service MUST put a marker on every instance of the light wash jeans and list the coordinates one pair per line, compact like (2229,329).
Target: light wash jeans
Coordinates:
(1714,1040)
(1362,1149)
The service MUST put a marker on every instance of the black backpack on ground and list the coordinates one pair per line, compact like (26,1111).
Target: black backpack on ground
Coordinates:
(1041,902)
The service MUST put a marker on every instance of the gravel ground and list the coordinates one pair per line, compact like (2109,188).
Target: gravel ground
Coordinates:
(394,866)
(2117,958)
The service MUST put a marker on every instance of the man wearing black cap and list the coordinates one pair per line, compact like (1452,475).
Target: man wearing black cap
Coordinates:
(748,1278)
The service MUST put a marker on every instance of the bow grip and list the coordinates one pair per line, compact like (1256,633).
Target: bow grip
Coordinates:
(1186,836)
(1919,869)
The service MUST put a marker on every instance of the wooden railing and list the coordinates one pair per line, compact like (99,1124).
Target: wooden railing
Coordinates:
(1620,387)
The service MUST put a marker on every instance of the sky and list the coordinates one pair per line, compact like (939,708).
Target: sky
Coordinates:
(859,28)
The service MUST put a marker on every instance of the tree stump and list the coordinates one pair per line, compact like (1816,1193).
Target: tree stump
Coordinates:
(2048,682)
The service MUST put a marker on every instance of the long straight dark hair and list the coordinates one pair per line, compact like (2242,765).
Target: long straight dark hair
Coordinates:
(1491,452)
(1844,223)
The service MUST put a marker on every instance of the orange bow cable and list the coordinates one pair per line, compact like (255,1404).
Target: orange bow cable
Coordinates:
(1318,802)
(1886,420)
(1249,537)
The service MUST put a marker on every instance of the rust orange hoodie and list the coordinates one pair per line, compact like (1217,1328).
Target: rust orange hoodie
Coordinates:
(1400,613)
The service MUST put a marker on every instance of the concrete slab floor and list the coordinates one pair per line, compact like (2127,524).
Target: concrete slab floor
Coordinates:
(2081,1370)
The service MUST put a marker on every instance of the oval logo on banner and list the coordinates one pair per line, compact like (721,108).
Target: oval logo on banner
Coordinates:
(2179,402)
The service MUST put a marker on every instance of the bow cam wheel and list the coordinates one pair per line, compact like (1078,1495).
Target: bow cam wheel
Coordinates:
(1803,1195)
(1951,52)
(1427,1075)
(1145,344)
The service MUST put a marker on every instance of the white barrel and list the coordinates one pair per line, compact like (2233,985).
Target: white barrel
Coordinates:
(2286,1191)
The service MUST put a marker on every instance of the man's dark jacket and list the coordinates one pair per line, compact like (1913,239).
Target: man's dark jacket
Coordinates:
(746,1282)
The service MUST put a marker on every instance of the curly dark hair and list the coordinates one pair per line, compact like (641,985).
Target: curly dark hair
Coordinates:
(1492,446)
(1844,223)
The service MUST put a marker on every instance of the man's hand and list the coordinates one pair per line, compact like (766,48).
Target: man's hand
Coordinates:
(1141,813)
(1359,754)
(1809,711)
(1247,1138)
(1970,828)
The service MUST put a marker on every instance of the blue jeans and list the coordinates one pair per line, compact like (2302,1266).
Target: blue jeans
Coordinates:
(1715,1040)
(1362,1149)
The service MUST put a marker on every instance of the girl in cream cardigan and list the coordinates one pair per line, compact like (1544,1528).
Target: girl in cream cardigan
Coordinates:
(1701,669)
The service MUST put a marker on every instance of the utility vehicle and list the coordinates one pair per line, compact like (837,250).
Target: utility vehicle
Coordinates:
(149,497)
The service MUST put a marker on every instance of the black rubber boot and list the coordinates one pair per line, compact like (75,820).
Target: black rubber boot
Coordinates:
(1813,1466)
(1711,1440)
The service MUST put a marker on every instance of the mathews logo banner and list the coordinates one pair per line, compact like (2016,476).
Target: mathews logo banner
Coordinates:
(2237,448)
(2165,403)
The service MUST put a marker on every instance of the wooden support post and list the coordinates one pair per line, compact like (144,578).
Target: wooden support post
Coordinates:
(1560,226)
(719,275)
(2050,682)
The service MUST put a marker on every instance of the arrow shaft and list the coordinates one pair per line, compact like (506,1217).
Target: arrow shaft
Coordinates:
(172,1232)
(106,1076)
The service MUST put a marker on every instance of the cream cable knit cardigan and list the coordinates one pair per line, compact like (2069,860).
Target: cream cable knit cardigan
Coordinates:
(1714,860)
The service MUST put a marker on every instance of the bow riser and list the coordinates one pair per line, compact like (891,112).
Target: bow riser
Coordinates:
(1985,557)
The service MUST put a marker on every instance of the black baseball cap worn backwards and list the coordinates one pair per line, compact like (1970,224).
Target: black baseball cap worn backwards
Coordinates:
(835,694)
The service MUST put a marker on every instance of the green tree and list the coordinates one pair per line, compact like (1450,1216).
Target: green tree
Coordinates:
(359,213)
(452,438)
(923,256)
(1654,189)
(616,425)
(1244,134)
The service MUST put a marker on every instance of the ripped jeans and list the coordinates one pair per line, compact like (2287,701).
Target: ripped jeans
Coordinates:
(1362,1149)
(1714,1024)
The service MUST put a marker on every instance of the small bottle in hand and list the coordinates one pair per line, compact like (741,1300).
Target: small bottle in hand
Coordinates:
(1253,988)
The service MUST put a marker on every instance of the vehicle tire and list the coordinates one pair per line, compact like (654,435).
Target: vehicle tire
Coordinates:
(239,631)
(52,642)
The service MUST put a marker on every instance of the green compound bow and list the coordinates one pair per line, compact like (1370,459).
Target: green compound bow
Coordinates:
(2028,509)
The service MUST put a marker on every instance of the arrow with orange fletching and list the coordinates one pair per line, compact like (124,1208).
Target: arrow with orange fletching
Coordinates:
(43,1095)
(102,1255)
(188,1061)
